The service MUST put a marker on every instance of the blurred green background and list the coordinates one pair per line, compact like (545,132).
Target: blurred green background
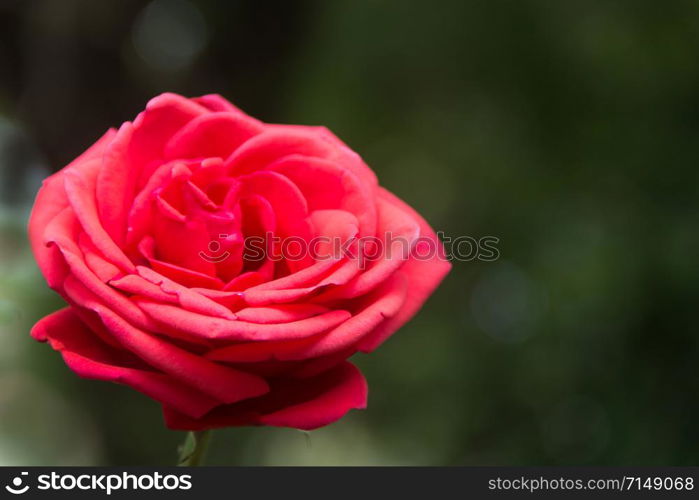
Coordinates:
(569,130)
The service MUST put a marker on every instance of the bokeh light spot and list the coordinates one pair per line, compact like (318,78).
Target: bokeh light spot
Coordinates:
(169,34)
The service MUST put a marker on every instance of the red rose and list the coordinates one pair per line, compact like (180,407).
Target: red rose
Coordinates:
(227,268)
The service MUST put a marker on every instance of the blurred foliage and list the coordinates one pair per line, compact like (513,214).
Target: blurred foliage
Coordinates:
(569,130)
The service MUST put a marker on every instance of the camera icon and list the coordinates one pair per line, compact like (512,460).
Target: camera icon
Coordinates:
(215,256)
(16,487)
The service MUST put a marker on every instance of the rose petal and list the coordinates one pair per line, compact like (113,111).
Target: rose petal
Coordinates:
(80,190)
(154,286)
(246,280)
(290,210)
(333,228)
(175,319)
(280,314)
(423,276)
(50,201)
(87,356)
(103,269)
(341,274)
(325,185)
(302,404)
(374,310)
(115,185)
(215,102)
(141,215)
(381,304)
(272,144)
(211,135)
(301,279)
(61,233)
(153,128)
(225,384)
(342,154)
(183,244)
(284,197)
(398,232)
(184,276)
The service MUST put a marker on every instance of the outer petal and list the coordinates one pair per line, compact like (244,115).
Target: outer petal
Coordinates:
(398,231)
(188,324)
(116,181)
(374,309)
(338,391)
(61,235)
(80,188)
(156,287)
(50,201)
(302,404)
(423,276)
(383,303)
(225,384)
(280,313)
(87,356)
(215,102)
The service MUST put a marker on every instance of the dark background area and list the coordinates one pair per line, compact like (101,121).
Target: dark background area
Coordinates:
(569,130)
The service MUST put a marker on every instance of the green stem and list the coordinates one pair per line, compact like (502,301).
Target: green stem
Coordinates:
(193,450)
